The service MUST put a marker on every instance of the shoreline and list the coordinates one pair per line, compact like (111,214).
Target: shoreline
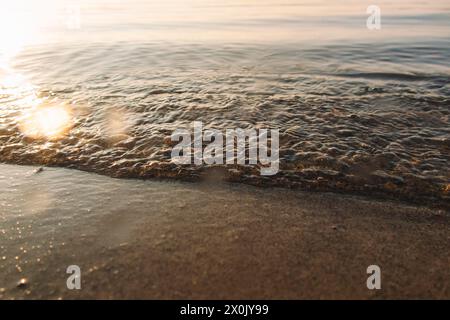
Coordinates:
(227,175)
(177,240)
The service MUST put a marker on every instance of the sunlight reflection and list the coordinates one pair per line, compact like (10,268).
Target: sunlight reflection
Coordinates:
(50,122)
(16,30)
(14,84)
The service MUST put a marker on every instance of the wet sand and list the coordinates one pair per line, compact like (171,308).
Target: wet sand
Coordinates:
(166,240)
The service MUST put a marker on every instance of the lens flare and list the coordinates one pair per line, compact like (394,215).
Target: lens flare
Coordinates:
(48,122)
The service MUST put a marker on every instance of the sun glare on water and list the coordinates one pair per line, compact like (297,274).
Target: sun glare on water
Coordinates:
(17,28)
(20,24)
(48,122)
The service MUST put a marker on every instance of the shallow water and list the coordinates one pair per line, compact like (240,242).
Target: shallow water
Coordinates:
(358,110)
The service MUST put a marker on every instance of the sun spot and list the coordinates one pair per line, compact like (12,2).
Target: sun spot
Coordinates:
(49,122)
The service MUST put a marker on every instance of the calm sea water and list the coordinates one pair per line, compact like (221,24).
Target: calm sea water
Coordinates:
(101,85)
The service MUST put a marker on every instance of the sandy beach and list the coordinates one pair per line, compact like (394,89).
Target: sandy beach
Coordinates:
(174,240)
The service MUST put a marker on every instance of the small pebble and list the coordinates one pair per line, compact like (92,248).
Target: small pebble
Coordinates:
(39,170)
(23,283)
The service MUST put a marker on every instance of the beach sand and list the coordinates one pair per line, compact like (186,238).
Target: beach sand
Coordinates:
(167,240)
